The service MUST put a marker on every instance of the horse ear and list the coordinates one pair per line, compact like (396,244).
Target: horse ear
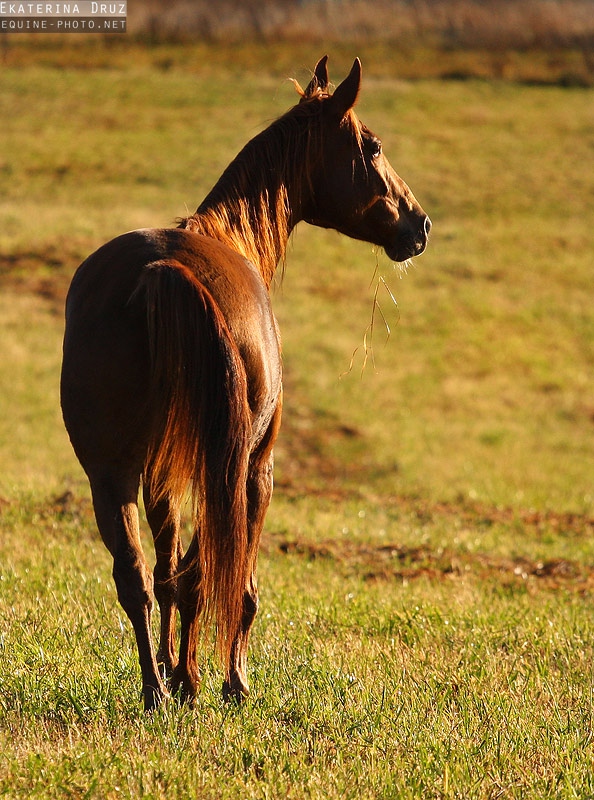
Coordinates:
(319,79)
(345,96)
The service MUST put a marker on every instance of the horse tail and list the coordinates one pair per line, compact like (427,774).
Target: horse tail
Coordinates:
(203,429)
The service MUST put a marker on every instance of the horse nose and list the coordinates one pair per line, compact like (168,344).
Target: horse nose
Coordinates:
(423,235)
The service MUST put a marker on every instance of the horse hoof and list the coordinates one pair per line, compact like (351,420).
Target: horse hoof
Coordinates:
(183,686)
(153,698)
(235,692)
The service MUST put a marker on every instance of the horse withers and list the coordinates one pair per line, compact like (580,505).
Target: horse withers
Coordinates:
(171,375)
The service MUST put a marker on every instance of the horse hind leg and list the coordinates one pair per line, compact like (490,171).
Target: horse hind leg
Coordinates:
(164,521)
(116,511)
(259,485)
(235,686)
(259,494)
(186,677)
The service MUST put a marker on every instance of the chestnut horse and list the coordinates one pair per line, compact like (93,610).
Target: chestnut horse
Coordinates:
(171,374)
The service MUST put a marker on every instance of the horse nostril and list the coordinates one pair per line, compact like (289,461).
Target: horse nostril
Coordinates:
(422,235)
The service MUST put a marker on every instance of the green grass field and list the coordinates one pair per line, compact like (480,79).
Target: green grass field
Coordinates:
(426,626)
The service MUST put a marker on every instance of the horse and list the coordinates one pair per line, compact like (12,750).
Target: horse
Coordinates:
(171,374)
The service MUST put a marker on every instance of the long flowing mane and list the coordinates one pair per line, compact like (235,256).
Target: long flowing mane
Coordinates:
(252,206)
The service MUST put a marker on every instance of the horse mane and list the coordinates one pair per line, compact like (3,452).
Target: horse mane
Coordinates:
(252,206)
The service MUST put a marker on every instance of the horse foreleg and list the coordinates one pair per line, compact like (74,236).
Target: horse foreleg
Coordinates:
(164,522)
(186,677)
(116,511)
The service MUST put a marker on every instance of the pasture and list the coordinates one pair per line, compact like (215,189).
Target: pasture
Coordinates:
(427,568)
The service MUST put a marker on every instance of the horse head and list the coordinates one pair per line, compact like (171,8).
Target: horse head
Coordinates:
(353,187)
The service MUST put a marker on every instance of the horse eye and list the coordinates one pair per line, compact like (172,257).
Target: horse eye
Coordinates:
(375,148)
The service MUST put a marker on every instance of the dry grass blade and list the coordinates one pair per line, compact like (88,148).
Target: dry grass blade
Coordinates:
(376,308)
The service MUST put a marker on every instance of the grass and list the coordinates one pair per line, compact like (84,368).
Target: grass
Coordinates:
(427,687)
(427,567)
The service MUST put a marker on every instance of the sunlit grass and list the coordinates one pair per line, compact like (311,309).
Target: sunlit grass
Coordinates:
(359,689)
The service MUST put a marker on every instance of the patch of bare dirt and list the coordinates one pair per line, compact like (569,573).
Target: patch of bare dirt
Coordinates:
(68,504)
(481,514)
(395,562)
(46,274)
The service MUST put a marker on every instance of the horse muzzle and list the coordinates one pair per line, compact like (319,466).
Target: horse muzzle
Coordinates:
(410,243)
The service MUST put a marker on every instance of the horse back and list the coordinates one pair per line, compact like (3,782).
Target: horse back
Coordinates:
(106,342)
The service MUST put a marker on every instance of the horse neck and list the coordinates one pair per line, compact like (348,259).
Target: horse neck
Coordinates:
(260,197)
(254,220)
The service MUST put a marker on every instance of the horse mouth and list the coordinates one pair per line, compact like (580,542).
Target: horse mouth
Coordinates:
(411,245)
(402,251)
